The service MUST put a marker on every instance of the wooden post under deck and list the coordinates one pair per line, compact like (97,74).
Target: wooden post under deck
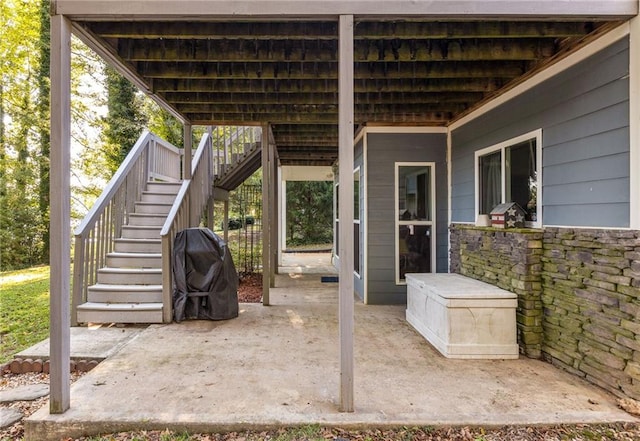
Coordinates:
(273,212)
(266,237)
(188,144)
(345,158)
(60,223)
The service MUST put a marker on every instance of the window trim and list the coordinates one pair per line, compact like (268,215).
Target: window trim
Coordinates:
(357,271)
(398,222)
(535,134)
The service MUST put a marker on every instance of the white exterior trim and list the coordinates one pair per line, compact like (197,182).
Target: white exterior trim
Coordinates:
(431,223)
(537,134)
(449,189)
(358,221)
(634,124)
(282,214)
(406,129)
(364,221)
(606,40)
(582,227)
(543,9)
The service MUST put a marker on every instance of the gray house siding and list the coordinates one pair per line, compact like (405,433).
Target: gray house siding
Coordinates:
(383,151)
(584,116)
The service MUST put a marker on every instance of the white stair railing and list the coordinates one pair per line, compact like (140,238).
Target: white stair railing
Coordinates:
(230,144)
(150,158)
(187,211)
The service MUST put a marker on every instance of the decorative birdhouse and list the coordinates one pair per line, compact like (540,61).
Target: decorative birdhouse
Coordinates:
(507,215)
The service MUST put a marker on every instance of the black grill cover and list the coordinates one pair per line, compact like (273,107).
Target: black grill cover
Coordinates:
(206,281)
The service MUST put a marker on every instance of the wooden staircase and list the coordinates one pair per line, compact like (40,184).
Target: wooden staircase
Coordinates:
(129,287)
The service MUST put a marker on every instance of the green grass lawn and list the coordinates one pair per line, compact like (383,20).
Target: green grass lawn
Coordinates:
(24,309)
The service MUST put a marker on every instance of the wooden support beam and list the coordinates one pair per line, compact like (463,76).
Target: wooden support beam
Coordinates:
(433,118)
(324,109)
(346,134)
(435,9)
(188,144)
(323,30)
(310,98)
(60,215)
(270,30)
(266,237)
(142,50)
(415,85)
(311,70)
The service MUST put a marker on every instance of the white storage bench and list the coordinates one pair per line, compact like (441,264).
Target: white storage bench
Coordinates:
(463,317)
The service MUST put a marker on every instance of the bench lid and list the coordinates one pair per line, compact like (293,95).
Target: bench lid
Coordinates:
(456,286)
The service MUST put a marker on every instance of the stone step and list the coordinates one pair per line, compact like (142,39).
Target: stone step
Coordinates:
(134,260)
(130,276)
(123,245)
(97,312)
(152,208)
(143,219)
(158,198)
(140,232)
(103,293)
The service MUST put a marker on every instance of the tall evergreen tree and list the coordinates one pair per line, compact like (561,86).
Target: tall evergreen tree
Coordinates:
(20,227)
(43,116)
(309,212)
(124,120)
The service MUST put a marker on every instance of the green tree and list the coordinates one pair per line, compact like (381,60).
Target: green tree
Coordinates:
(124,121)
(309,212)
(20,221)
(44,89)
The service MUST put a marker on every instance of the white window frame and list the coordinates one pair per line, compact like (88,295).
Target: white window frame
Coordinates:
(535,134)
(357,221)
(399,222)
(336,219)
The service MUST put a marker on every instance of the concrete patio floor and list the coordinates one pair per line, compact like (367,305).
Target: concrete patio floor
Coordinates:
(278,366)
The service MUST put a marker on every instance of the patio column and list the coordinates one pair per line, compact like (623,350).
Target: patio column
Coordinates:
(273,205)
(188,143)
(345,158)
(282,207)
(60,218)
(266,237)
(634,123)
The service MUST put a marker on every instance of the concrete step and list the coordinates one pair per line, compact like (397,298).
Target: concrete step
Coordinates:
(142,219)
(94,312)
(141,232)
(157,198)
(123,245)
(164,187)
(130,276)
(134,260)
(151,208)
(124,293)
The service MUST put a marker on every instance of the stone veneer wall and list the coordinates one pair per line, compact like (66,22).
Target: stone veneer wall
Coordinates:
(511,260)
(587,289)
(591,298)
